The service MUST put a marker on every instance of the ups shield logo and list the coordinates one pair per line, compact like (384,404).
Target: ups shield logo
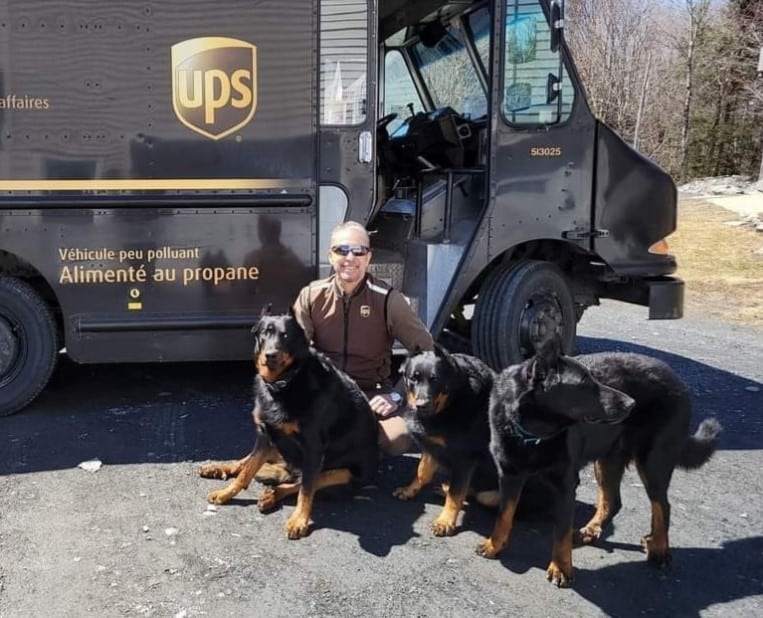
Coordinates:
(214,84)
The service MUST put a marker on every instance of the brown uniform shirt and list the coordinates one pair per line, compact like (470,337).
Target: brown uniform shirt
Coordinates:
(357,332)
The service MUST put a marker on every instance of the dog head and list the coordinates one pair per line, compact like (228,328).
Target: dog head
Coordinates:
(430,378)
(279,344)
(551,392)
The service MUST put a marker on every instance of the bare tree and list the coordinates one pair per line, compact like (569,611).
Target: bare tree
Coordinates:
(621,54)
(698,13)
(676,77)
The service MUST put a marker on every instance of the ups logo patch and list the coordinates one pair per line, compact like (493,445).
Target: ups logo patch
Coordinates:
(214,84)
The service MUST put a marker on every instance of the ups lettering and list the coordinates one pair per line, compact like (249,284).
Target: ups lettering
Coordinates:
(214,89)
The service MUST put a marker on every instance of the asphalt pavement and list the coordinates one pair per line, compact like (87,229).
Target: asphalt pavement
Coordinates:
(134,536)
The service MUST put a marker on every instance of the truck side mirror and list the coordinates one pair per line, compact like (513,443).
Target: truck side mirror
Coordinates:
(557,24)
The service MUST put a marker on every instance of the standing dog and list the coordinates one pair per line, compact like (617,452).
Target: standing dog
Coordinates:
(552,414)
(308,412)
(447,399)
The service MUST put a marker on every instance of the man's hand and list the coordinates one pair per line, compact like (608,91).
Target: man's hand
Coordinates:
(383,405)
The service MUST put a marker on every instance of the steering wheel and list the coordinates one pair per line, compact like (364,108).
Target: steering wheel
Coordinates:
(385,120)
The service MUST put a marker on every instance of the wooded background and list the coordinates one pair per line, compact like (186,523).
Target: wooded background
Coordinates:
(677,78)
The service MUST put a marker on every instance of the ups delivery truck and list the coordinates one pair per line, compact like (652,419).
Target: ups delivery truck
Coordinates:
(169,167)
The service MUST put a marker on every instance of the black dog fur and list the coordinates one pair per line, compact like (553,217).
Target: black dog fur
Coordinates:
(308,412)
(447,399)
(552,414)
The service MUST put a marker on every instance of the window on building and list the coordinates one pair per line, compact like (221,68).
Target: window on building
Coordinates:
(344,58)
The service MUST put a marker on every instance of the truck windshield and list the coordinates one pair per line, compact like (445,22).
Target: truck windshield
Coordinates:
(449,74)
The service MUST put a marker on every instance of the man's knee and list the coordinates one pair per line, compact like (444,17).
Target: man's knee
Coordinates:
(394,438)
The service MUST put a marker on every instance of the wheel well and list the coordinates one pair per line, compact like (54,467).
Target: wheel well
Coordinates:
(14,266)
(572,261)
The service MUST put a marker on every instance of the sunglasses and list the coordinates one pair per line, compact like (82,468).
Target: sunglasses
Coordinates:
(356,250)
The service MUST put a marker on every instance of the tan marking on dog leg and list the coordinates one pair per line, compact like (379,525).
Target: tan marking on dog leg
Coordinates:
(424,474)
(274,473)
(445,524)
(490,499)
(250,466)
(271,496)
(559,570)
(491,547)
(608,502)
(298,524)
(656,543)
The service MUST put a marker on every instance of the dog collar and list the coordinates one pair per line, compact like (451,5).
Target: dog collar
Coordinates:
(282,382)
(525,436)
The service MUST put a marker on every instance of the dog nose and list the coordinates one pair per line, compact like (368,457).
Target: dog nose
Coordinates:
(270,357)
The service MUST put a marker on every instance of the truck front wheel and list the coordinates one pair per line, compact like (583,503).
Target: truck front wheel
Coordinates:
(519,305)
(28,344)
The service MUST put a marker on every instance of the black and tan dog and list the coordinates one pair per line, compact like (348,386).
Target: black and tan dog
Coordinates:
(446,412)
(552,414)
(309,413)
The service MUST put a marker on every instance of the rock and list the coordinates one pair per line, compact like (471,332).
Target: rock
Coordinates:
(91,465)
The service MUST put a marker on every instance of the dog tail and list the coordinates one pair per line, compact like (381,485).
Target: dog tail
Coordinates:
(701,446)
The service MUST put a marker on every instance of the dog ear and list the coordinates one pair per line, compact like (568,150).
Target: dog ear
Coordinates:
(256,334)
(546,359)
(550,349)
(266,309)
(440,350)
(534,370)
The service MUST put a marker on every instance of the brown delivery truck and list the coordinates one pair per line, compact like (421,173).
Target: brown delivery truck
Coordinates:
(168,168)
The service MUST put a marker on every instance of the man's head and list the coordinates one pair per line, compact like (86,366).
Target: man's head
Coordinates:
(349,254)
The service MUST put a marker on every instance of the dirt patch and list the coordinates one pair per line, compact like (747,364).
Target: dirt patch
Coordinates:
(721,261)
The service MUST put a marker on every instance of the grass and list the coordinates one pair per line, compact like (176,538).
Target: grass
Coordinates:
(722,265)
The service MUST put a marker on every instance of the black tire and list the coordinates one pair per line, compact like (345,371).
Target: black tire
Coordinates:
(484,343)
(28,344)
(519,305)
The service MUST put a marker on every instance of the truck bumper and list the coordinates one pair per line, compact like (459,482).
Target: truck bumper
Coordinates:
(666,298)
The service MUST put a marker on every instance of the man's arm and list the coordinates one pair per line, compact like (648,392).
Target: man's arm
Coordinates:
(405,325)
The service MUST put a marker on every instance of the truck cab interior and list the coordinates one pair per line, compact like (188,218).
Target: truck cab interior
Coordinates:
(431,136)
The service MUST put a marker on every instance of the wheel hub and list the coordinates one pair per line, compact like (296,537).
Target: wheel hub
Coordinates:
(541,316)
(9,346)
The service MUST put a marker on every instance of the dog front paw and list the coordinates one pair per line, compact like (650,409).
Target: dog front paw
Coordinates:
(297,527)
(559,575)
(487,549)
(587,535)
(656,555)
(443,526)
(268,500)
(221,496)
(406,493)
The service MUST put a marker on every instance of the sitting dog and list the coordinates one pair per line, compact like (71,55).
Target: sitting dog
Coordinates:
(308,412)
(552,414)
(446,400)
